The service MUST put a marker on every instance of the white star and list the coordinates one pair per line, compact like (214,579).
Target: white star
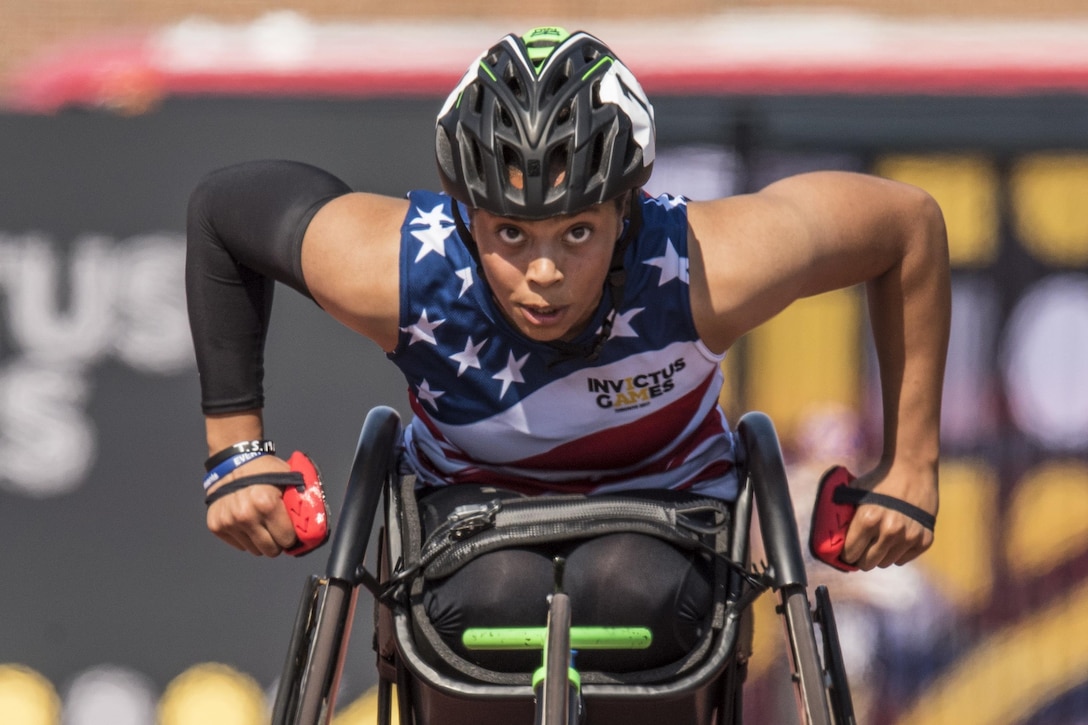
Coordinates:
(424,392)
(621,326)
(669,202)
(511,373)
(672,265)
(422,330)
(433,238)
(466,280)
(469,358)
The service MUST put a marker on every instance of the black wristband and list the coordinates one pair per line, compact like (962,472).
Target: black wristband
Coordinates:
(292,479)
(859,497)
(256,446)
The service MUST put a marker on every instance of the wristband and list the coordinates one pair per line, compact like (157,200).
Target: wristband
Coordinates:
(229,465)
(264,446)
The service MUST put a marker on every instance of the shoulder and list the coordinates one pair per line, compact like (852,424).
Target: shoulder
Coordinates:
(753,254)
(347,241)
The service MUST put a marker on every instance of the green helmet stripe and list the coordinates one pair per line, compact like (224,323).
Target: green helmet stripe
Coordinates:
(488,70)
(598,64)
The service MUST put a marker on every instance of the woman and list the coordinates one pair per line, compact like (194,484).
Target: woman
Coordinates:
(558,329)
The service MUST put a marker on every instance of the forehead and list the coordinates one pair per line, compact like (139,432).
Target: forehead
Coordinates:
(595,213)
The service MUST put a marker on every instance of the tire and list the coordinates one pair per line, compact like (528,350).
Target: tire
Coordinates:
(809,681)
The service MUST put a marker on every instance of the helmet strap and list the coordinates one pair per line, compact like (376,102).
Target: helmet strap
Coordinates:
(466,236)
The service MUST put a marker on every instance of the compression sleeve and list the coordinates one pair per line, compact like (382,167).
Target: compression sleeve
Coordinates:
(245,227)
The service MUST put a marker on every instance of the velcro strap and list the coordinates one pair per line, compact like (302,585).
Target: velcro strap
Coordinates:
(293,479)
(859,497)
(473,530)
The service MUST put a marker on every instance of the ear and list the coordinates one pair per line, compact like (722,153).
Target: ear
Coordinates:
(623,204)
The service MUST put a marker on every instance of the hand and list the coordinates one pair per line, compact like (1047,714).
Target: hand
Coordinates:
(879,536)
(253,518)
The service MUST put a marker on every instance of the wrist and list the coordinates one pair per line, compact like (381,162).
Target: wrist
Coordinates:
(224,430)
(260,446)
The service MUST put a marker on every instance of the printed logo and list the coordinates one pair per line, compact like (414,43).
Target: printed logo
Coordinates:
(636,391)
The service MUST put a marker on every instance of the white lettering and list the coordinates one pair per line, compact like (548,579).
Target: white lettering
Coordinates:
(68,308)
(47,443)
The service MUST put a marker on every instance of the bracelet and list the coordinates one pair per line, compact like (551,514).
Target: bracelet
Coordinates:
(229,465)
(262,446)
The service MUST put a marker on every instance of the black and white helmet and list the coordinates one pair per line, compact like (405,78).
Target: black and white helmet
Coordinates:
(542,124)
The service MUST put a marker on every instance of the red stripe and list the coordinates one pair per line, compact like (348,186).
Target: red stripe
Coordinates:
(533,487)
(101,73)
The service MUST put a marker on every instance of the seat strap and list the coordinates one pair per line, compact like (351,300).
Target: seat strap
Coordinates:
(470,531)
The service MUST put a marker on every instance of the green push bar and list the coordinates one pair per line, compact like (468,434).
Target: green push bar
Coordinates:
(506,638)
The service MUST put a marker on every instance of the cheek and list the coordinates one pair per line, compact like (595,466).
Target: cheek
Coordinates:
(500,274)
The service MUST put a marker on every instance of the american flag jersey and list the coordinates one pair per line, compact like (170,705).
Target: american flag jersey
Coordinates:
(494,407)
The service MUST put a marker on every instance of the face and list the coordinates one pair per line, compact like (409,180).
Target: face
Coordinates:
(548,275)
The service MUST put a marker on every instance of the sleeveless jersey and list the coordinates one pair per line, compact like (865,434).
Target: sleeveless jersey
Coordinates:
(492,406)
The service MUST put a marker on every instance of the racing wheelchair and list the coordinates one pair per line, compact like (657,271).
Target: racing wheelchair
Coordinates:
(428,684)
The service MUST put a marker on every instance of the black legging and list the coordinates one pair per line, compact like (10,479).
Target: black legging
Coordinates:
(614,580)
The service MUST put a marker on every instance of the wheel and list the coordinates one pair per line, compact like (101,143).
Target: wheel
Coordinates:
(809,681)
(555,695)
(842,705)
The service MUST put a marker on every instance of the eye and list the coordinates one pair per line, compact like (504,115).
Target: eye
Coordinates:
(510,234)
(579,234)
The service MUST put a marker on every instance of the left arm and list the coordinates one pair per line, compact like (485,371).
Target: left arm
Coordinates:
(752,255)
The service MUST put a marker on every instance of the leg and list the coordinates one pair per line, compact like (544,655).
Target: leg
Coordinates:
(504,588)
(638,580)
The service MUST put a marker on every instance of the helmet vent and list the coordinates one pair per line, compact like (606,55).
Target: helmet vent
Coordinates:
(597,153)
(557,167)
(477,160)
(513,82)
(475,98)
(560,77)
(565,114)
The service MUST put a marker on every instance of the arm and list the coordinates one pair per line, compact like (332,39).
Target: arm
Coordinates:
(753,255)
(249,226)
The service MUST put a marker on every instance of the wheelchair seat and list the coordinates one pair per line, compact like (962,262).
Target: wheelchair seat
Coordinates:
(437,686)
(432,685)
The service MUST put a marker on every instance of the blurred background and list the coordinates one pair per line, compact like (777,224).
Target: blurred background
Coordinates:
(118,607)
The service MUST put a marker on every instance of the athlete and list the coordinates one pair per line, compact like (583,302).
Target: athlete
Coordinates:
(560,330)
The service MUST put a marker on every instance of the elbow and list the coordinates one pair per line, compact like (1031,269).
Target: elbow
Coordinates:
(931,233)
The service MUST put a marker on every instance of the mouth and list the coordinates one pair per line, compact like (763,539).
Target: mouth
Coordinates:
(542,315)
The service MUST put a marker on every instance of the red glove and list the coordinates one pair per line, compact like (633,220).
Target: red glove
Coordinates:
(830,520)
(303,496)
(836,502)
(306,506)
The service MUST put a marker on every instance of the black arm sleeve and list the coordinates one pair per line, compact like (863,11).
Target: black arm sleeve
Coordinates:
(245,227)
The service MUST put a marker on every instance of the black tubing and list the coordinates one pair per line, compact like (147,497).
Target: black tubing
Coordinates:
(373,457)
(777,522)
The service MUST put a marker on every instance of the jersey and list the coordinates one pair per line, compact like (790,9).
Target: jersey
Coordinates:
(494,407)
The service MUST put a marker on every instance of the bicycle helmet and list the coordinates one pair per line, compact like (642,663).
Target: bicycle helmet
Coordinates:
(542,124)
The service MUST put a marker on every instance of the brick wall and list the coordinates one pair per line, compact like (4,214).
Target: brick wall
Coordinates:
(28,26)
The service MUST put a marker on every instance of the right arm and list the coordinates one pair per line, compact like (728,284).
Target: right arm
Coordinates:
(249,226)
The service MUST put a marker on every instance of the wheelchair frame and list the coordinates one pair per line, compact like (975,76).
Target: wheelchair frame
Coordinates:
(308,686)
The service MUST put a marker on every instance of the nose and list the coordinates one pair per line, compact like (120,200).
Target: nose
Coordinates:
(543,271)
